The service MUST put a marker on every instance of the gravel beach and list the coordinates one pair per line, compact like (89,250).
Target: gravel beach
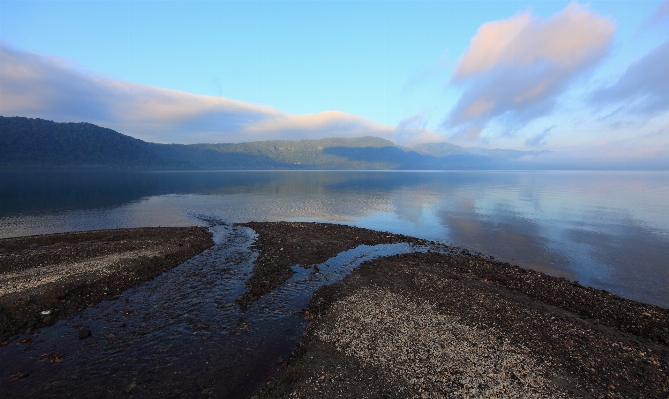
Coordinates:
(457,324)
(435,324)
(49,276)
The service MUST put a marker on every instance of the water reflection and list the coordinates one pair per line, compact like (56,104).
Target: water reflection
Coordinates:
(606,229)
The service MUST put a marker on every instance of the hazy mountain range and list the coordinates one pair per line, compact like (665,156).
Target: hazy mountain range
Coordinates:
(40,144)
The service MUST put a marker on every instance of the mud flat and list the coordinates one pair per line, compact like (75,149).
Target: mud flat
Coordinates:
(45,277)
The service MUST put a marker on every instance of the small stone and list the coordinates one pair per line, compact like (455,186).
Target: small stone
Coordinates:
(84,333)
(48,320)
(18,376)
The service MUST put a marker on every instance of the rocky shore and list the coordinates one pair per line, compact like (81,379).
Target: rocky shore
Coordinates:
(450,323)
(440,323)
(45,277)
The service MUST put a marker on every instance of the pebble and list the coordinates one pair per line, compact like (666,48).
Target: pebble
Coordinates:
(84,333)
(434,353)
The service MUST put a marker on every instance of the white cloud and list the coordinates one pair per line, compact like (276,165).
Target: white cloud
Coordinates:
(33,85)
(517,67)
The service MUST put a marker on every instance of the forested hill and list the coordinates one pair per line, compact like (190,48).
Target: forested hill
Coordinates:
(361,153)
(39,144)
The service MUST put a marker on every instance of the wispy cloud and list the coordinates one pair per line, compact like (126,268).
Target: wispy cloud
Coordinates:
(413,130)
(660,15)
(517,67)
(539,140)
(643,89)
(433,70)
(34,85)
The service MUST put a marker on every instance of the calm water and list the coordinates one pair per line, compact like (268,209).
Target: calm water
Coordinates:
(605,229)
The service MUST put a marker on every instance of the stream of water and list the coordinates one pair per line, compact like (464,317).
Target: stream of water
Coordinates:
(181,334)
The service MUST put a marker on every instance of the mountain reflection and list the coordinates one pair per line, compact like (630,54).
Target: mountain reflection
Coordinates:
(605,229)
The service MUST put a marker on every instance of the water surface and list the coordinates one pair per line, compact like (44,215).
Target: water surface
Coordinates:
(605,229)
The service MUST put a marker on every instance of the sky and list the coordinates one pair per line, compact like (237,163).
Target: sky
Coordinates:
(583,78)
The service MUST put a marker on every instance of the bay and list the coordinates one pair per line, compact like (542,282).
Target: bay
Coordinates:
(606,229)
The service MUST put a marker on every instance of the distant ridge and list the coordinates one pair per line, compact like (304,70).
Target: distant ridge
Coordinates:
(40,144)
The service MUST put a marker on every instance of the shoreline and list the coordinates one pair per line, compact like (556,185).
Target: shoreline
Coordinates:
(46,277)
(374,333)
(440,323)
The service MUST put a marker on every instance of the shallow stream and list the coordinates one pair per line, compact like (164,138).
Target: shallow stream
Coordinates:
(181,334)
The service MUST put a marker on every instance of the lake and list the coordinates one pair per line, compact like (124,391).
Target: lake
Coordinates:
(606,229)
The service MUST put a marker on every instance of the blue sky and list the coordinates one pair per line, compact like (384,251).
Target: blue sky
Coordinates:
(583,78)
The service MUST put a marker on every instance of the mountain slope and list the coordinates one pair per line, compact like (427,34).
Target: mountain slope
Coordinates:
(40,144)
(274,154)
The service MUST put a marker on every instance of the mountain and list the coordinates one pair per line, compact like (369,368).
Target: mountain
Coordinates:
(39,144)
(275,154)
(438,150)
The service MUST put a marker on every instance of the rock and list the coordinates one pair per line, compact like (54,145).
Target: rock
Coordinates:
(84,333)
(48,320)
(18,376)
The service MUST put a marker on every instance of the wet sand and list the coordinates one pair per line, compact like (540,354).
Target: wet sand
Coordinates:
(445,323)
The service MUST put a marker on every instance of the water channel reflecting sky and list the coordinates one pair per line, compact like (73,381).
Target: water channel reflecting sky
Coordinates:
(605,229)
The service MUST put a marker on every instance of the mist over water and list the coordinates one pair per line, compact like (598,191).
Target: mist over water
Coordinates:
(609,230)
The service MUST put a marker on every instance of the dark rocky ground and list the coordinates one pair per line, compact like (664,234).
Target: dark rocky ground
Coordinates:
(448,324)
(284,244)
(586,342)
(38,256)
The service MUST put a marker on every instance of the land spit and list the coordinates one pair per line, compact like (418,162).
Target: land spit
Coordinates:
(442,323)
(45,277)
